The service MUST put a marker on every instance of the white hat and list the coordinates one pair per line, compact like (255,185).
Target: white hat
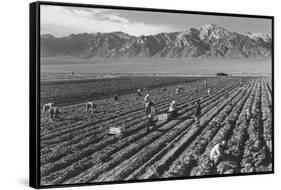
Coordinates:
(223,142)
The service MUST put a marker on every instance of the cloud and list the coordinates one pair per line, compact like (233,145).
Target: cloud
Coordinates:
(116,18)
(62,21)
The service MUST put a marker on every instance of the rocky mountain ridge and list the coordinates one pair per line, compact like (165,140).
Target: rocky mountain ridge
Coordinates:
(208,41)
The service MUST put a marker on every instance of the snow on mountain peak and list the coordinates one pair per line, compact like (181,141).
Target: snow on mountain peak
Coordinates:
(213,32)
(257,36)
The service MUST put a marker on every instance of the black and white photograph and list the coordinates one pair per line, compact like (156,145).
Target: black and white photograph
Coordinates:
(135,95)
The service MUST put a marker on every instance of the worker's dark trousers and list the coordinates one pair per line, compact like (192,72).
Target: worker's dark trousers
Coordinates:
(150,123)
(172,114)
(90,110)
(147,109)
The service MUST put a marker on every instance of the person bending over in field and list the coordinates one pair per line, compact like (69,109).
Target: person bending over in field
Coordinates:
(90,106)
(54,113)
(116,98)
(148,112)
(150,123)
(209,91)
(47,107)
(196,90)
(197,112)
(240,84)
(57,113)
(217,152)
(172,112)
(139,92)
(148,105)
(146,99)
(205,84)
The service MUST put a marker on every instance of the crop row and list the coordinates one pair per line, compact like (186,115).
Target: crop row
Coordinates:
(256,154)
(266,116)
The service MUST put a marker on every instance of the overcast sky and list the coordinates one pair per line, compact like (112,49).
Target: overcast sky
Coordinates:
(62,21)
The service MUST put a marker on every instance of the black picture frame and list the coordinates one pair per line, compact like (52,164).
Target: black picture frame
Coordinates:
(34,91)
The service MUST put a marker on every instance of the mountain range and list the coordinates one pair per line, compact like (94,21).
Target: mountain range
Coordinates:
(208,41)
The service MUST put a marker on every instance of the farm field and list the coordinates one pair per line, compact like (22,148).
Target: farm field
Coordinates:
(77,148)
(190,66)
(63,92)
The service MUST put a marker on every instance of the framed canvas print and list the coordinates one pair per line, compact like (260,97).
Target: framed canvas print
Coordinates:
(122,94)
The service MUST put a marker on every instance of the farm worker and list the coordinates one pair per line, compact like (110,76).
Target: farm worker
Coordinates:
(240,84)
(116,97)
(147,98)
(196,90)
(148,107)
(90,106)
(217,152)
(57,113)
(47,107)
(197,112)
(172,109)
(148,104)
(139,92)
(205,84)
(54,112)
(150,122)
(209,91)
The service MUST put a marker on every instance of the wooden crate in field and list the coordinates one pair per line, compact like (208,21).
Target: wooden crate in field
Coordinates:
(163,117)
(116,130)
